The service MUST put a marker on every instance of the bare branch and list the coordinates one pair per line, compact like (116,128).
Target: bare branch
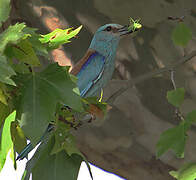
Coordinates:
(132,82)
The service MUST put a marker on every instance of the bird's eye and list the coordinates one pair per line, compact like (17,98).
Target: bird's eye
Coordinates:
(108,28)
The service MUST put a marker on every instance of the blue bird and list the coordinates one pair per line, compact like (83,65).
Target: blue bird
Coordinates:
(95,69)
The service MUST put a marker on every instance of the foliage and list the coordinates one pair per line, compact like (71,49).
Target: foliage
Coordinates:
(6,72)
(41,93)
(12,35)
(59,37)
(187,172)
(33,96)
(38,96)
(5,10)
(176,97)
(175,138)
(181,35)
(45,165)
(6,141)
(18,137)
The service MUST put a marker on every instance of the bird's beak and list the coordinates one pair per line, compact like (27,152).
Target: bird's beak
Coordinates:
(126,30)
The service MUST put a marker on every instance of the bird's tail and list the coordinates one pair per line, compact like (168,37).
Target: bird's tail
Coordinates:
(24,153)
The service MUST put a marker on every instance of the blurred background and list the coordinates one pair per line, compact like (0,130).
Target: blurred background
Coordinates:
(124,143)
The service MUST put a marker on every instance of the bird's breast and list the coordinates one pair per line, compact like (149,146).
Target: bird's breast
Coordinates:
(105,77)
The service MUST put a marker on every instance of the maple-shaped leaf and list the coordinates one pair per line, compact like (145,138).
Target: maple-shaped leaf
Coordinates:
(64,140)
(59,36)
(12,35)
(173,138)
(24,52)
(40,94)
(33,38)
(43,165)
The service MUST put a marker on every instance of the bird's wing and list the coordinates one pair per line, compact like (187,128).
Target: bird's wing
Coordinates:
(89,70)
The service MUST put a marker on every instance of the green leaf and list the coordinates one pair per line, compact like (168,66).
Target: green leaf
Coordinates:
(21,68)
(173,138)
(190,119)
(64,140)
(41,93)
(4,112)
(69,35)
(18,137)
(47,139)
(40,49)
(6,141)
(187,172)
(59,166)
(24,52)
(6,72)
(176,97)
(3,97)
(5,10)
(181,35)
(59,37)
(12,35)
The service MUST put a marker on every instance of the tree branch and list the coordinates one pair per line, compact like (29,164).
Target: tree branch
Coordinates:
(132,82)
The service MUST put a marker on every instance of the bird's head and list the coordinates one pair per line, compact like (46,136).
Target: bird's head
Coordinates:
(107,37)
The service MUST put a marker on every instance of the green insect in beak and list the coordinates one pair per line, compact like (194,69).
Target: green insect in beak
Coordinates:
(134,24)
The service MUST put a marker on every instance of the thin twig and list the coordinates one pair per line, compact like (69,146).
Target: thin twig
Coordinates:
(177,111)
(131,83)
(178,114)
(172,79)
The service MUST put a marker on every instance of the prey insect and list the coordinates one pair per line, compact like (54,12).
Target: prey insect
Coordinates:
(134,24)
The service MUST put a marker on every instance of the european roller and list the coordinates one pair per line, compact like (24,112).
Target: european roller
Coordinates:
(96,67)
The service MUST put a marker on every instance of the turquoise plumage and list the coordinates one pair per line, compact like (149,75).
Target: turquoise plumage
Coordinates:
(86,82)
(95,69)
